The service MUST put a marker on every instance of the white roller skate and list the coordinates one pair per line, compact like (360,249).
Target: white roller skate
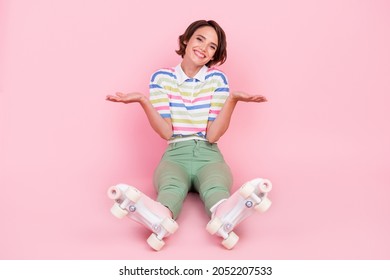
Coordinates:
(132,203)
(228,213)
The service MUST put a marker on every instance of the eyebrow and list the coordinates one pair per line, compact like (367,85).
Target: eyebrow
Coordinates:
(203,37)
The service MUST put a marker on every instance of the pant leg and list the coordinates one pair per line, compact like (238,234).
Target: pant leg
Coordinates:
(213,182)
(172,183)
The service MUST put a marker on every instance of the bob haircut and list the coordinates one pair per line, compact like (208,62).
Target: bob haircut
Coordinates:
(220,54)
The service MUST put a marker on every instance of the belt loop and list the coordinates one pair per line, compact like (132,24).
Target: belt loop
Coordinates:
(196,148)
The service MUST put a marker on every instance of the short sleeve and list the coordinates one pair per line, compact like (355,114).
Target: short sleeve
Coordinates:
(219,96)
(158,95)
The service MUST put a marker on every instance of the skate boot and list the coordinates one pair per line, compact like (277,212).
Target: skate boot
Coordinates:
(228,213)
(132,203)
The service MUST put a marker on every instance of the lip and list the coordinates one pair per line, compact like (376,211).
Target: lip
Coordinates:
(199,54)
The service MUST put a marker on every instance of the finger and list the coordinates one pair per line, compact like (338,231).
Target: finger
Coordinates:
(255,97)
(261,98)
(112,98)
(120,94)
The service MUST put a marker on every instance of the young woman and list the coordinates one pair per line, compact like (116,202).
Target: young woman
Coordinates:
(190,106)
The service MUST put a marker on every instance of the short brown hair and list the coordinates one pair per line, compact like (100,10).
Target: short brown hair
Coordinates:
(220,54)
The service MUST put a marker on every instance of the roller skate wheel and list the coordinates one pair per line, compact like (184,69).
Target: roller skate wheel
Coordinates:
(133,194)
(114,193)
(246,190)
(266,186)
(118,212)
(154,242)
(170,225)
(214,225)
(264,205)
(230,241)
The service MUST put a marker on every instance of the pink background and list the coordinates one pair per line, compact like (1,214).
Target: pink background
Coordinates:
(323,137)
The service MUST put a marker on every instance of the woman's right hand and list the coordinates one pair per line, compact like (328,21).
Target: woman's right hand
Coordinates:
(125,97)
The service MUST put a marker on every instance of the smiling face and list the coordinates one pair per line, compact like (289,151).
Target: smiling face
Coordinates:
(201,47)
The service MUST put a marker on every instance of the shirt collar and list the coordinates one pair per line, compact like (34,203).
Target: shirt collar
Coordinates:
(182,77)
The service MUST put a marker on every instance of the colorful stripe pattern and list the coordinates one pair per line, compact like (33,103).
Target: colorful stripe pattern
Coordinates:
(190,103)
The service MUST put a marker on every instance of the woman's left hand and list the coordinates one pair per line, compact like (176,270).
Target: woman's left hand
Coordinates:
(245,97)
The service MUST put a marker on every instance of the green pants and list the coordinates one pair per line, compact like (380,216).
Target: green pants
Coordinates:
(192,165)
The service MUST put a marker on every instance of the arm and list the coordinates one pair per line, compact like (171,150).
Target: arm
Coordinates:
(217,128)
(163,126)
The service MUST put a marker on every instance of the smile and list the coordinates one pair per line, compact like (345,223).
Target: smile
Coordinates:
(199,54)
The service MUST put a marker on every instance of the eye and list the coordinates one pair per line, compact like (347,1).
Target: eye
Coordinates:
(199,39)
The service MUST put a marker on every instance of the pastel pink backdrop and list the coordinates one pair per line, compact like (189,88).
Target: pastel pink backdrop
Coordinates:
(323,137)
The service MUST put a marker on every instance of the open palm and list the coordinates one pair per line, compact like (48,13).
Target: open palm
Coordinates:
(245,97)
(125,97)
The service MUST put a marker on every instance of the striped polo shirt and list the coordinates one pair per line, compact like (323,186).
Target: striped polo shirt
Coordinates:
(189,102)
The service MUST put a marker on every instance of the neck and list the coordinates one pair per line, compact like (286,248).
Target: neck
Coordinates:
(190,70)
